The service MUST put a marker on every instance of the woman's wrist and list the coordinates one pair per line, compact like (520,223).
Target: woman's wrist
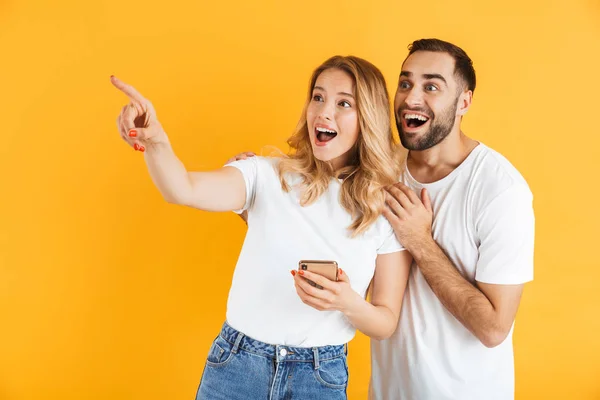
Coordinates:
(158,148)
(354,305)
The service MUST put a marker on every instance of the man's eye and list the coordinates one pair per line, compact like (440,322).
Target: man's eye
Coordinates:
(431,88)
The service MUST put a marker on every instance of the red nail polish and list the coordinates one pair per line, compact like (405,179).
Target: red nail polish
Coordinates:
(293,273)
(341,272)
(136,146)
(132,133)
(142,149)
(301,272)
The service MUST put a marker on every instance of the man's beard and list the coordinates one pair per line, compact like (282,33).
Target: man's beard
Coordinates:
(438,130)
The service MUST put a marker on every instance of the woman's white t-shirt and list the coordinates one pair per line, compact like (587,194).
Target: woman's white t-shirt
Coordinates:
(263,303)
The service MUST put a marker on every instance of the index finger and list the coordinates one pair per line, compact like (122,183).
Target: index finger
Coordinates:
(408,192)
(320,280)
(127,89)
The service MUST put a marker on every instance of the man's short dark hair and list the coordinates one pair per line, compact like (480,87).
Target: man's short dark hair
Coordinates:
(463,67)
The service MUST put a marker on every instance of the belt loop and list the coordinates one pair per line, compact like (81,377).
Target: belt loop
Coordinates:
(346,348)
(236,345)
(316,357)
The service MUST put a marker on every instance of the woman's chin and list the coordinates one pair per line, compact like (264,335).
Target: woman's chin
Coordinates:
(323,155)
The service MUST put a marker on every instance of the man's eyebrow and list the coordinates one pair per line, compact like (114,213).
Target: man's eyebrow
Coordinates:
(435,76)
(408,74)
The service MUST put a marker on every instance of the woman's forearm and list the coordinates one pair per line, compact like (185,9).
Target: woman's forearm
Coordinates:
(168,173)
(377,322)
(219,190)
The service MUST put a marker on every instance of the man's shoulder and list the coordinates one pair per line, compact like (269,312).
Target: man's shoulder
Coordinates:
(495,183)
(494,173)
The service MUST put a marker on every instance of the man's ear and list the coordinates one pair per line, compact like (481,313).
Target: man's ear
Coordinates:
(464,102)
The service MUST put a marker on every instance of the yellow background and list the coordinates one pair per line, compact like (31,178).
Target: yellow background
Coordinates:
(107,292)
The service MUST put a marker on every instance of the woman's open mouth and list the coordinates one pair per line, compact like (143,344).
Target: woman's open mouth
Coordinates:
(323,135)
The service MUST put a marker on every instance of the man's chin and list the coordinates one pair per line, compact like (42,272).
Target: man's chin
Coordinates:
(412,141)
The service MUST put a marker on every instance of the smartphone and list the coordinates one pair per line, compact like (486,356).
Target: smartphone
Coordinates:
(326,268)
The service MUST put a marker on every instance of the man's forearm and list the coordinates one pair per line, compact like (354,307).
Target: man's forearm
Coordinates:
(465,301)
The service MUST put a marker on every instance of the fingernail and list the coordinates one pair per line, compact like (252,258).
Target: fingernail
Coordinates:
(132,133)
(136,146)
(293,273)
(301,272)
(142,149)
(341,272)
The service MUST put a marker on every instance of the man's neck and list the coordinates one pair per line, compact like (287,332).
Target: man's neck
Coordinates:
(439,161)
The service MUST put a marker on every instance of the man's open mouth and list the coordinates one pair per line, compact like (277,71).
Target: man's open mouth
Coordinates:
(415,120)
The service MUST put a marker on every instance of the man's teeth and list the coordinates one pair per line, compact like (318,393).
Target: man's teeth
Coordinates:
(415,116)
(325,130)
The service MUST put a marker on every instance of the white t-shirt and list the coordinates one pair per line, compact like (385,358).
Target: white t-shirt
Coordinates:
(484,221)
(263,302)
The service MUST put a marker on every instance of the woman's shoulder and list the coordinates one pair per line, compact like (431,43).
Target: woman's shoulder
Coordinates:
(382,226)
(256,161)
(267,163)
(266,168)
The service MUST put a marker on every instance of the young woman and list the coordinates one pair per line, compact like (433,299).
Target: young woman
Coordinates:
(284,338)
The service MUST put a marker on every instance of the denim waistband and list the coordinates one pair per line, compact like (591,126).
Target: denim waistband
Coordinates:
(280,352)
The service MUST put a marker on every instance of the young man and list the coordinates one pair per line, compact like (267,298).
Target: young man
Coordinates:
(470,230)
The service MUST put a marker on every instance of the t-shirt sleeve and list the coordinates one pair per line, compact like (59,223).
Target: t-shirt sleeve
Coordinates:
(390,243)
(505,229)
(249,169)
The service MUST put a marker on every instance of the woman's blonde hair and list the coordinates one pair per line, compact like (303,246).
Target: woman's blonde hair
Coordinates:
(373,162)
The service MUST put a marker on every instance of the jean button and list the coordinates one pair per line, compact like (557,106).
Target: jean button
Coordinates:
(283,352)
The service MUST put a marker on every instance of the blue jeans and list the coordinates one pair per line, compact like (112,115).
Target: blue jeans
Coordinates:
(241,368)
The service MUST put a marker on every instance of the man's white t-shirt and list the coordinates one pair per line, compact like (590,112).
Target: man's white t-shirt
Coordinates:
(263,302)
(484,221)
